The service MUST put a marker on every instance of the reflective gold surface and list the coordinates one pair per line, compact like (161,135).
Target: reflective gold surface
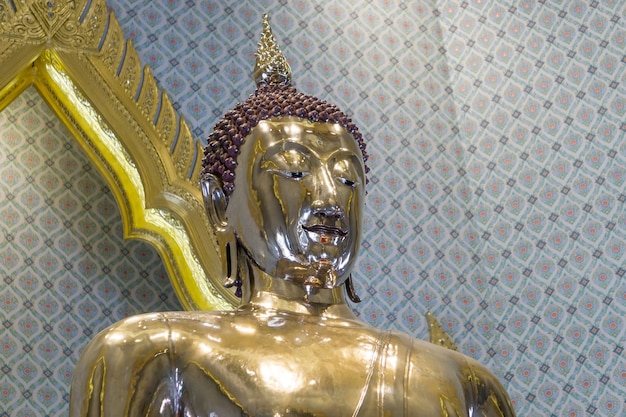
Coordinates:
(438,336)
(294,347)
(271,65)
(262,361)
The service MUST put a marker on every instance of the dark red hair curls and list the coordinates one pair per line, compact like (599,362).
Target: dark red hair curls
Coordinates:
(268,101)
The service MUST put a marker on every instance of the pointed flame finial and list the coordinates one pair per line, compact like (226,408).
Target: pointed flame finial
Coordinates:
(271,66)
(438,336)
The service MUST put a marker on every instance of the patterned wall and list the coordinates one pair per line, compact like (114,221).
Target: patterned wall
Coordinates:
(496,197)
(66,271)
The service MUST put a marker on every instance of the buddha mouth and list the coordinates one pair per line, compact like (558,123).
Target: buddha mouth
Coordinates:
(322,229)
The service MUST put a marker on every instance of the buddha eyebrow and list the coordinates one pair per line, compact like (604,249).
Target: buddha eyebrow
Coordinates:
(286,146)
(278,151)
(344,154)
(306,152)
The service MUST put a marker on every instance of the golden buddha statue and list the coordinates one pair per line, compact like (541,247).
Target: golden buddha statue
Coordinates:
(283,183)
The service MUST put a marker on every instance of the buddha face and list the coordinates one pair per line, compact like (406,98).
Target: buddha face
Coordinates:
(297,200)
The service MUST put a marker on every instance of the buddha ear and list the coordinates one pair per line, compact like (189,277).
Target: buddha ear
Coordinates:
(214,200)
(215,205)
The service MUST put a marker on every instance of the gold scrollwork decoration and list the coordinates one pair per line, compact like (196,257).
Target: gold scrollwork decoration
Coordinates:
(75,54)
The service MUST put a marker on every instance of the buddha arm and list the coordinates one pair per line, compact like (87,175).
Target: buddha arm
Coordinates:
(444,383)
(489,396)
(112,369)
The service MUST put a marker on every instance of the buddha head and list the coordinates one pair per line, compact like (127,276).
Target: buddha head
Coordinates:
(283,181)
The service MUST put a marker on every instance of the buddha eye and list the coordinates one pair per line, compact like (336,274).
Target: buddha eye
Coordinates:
(344,171)
(347,182)
(290,164)
(293,175)
(286,173)
(296,174)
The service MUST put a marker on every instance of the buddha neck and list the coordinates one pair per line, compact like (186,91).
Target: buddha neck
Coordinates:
(263,291)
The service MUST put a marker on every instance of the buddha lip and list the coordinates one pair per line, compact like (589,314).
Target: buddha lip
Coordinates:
(322,229)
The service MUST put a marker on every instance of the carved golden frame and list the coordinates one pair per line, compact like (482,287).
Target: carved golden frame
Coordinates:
(75,54)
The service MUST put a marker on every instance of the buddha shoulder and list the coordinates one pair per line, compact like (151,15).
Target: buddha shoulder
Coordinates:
(154,331)
(204,361)
(458,383)
(130,367)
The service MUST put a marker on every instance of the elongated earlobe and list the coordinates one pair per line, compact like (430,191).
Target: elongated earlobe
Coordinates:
(215,205)
(228,253)
(352,295)
(214,200)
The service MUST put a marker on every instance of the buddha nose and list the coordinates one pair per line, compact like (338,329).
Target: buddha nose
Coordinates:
(327,211)
(324,196)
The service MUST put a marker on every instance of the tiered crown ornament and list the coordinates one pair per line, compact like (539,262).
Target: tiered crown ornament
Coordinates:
(271,66)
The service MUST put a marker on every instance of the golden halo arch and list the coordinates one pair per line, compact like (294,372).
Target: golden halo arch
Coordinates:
(75,54)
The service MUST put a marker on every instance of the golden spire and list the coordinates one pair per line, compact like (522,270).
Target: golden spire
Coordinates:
(271,66)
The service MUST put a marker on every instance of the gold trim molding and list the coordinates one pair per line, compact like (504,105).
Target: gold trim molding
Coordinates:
(75,54)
